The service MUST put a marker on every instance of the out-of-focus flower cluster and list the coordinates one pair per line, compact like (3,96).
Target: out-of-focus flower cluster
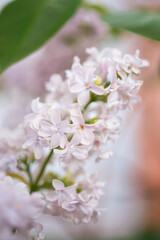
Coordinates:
(154,5)
(84,30)
(79,116)
(19,211)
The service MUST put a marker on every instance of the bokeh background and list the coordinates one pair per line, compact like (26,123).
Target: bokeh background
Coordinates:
(131,204)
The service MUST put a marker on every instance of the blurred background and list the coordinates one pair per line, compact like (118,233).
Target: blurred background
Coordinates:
(131,205)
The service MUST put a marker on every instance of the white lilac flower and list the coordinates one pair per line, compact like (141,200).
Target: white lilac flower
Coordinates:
(100,149)
(59,94)
(81,210)
(108,122)
(92,186)
(45,128)
(65,201)
(110,128)
(19,210)
(62,193)
(84,131)
(53,129)
(59,196)
(38,112)
(102,86)
(11,142)
(56,87)
(82,81)
(35,143)
(132,64)
(37,232)
(8,160)
(103,63)
(73,149)
(128,92)
(110,62)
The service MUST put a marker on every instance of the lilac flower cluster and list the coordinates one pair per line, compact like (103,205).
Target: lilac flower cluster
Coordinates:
(19,211)
(78,117)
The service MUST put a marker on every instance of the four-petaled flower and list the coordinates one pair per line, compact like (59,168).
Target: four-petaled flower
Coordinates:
(82,81)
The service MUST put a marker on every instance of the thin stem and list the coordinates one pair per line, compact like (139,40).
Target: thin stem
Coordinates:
(86,106)
(29,174)
(35,185)
(17,176)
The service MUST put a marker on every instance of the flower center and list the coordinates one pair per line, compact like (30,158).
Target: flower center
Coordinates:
(98,81)
(87,84)
(17,206)
(81,126)
(97,143)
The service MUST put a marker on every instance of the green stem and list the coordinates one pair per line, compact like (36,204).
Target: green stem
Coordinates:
(29,174)
(96,7)
(35,185)
(86,106)
(17,176)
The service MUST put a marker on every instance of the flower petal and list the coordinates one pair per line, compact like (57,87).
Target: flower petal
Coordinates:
(68,206)
(83,97)
(87,136)
(38,150)
(76,88)
(97,90)
(55,140)
(51,196)
(55,117)
(58,185)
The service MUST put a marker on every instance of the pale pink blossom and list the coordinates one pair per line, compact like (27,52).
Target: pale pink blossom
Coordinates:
(100,149)
(61,192)
(11,151)
(65,201)
(84,131)
(53,129)
(103,63)
(110,62)
(77,119)
(45,128)
(73,149)
(132,64)
(92,186)
(81,210)
(127,93)
(81,80)
(35,143)
(19,210)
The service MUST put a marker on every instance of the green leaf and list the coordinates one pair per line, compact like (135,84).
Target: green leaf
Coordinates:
(143,23)
(96,7)
(25,25)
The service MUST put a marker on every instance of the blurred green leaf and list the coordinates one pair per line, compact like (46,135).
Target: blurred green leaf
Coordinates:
(143,23)
(96,7)
(25,25)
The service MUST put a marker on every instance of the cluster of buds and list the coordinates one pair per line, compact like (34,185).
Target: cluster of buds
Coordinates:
(79,116)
